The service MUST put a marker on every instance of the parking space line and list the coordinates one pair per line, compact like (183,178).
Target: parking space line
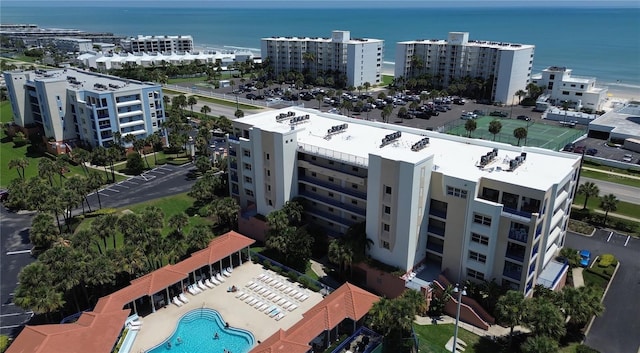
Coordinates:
(627,241)
(18,252)
(609,238)
(17,314)
(112,190)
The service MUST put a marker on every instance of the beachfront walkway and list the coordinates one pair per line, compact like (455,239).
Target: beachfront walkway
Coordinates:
(161,324)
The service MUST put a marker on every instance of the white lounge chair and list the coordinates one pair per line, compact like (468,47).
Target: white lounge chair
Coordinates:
(193,290)
(263,306)
(219,278)
(253,286)
(269,309)
(276,299)
(249,299)
(286,305)
(249,283)
(298,296)
(183,298)
(265,278)
(229,269)
(271,296)
(253,301)
(274,313)
(292,307)
(304,297)
(281,301)
(279,316)
(208,283)
(215,281)
(226,273)
(177,301)
(201,285)
(239,294)
(287,290)
(263,291)
(258,304)
(244,296)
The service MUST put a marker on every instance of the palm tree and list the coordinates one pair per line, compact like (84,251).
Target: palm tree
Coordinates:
(179,221)
(608,203)
(510,310)
(43,231)
(319,98)
(82,157)
(205,110)
(191,101)
(471,125)
(104,227)
(238,114)
(226,209)
(153,140)
(520,94)
(520,133)
(340,254)
(544,318)
(94,182)
(199,237)
(153,217)
(494,128)
(386,112)
(20,164)
(79,185)
(580,304)
(588,189)
(46,169)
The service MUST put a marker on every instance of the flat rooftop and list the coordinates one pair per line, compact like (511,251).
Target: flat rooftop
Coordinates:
(85,81)
(473,43)
(322,39)
(453,155)
(624,120)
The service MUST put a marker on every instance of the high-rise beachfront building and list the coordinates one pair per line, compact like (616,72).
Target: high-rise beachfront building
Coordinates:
(505,67)
(72,106)
(480,209)
(579,92)
(359,59)
(157,44)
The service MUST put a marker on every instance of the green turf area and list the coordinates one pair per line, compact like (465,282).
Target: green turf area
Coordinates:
(623,208)
(6,115)
(432,338)
(188,79)
(229,103)
(386,80)
(539,135)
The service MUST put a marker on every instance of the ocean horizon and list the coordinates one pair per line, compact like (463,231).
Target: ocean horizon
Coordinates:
(594,42)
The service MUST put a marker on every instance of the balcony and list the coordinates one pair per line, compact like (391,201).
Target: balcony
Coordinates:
(438,213)
(515,255)
(234,178)
(332,186)
(233,165)
(438,248)
(333,202)
(512,273)
(331,217)
(516,212)
(232,152)
(519,234)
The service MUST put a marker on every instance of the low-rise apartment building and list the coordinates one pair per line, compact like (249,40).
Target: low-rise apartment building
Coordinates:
(482,210)
(72,106)
(359,59)
(505,67)
(157,44)
(578,92)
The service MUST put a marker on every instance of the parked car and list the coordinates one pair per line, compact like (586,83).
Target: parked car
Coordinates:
(478,112)
(523,117)
(4,194)
(468,116)
(579,149)
(499,113)
(585,258)
(250,96)
(458,101)
(569,147)
(592,151)
(627,158)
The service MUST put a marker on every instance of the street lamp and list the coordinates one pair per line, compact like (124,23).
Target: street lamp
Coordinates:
(460,293)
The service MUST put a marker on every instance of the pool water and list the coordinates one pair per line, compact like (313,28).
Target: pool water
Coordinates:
(195,333)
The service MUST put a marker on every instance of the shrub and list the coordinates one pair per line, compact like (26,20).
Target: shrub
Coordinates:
(293,275)
(606,260)
(135,164)
(581,348)
(4,343)
(267,264)
(100,212)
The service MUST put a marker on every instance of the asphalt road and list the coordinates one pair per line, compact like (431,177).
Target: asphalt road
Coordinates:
(618,329)
(623,192)
(14,230)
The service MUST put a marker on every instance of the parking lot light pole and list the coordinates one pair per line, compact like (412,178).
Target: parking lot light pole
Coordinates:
(460,293)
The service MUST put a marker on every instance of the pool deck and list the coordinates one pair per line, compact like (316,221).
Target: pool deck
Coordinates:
(158,326)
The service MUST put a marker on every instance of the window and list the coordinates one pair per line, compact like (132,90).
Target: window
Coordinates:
(248,179)
(268,187)
(461,193)
(480,239)
(330,209)
(387,190)
(387,210)
(565,93)
(248,192)
(355,186)
(385,244)
(267,156)
(475,274)
(268,172)
(247,166)
(481,219)
(354,202)
(386,227)
(579,94)
(270,203)
(355,169)
(246,153)
(551,77)
(313,174)
(330,162)
(477,257)
(331,179)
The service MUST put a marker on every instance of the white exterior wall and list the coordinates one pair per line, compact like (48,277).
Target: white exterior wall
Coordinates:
(514,72)
(364,63)
(563,87)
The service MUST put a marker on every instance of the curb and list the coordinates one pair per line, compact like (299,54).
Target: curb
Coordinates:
(613,276)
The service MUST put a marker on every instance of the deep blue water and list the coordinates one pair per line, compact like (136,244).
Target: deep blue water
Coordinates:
(604,43)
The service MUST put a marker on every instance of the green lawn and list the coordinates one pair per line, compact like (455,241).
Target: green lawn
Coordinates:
(228,103)
(386,80)
(187,79)
(432,338)
(6,115)
(624,208)
(618,179)
(593,165)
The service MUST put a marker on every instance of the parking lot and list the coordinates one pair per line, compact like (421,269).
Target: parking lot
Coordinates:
(608,152)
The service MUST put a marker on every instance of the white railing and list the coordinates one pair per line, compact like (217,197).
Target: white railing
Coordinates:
(333,154)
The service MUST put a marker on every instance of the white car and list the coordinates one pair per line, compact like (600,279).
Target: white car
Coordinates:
(627,158)
(468,116)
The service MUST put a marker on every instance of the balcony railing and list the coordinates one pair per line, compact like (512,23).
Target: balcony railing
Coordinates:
(232,152)
(333,202)
(234,178)
(435,247)
(436,230)
(515,255)
(333,154)
(512,274)
(438,213)
(516,212)
(332,186)
(331,217)
(518,234)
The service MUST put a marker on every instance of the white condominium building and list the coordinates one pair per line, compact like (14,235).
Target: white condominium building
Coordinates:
(359,59)
(79,106)
(579,92)
(480,209)
(157,44)
(506,67)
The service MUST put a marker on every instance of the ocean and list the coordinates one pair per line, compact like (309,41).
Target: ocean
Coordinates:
(601,43)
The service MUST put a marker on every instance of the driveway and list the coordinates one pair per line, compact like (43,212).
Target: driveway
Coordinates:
(617,330)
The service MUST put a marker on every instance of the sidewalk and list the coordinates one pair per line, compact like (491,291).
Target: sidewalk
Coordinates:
(578,280)
(494,330)
(611,173)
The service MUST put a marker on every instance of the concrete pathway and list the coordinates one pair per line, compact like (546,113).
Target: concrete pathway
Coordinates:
(494,330)
(578,280)
(612,214)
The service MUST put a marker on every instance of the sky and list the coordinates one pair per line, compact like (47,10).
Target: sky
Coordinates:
(334,3)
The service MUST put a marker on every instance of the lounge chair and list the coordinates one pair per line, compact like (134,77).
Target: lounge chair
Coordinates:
(193,290)
(265,278)
(287,290)
(271,296)
(263,291)
(208,283)
(226,273)
(258,304)
(183,298)
(304,297)
(292,307)
(253,286)
(270,281)
(286,305)
(261,276)
(281,301)
(298,296)
(253,301)
(276,299)
(201,285)
(274,313)
(249,283)
(279,316)
(258,288)
(219,278)
(263,306)
(269,309)
(177,301)
(215,281)
(239,294)
(229,269)
(244,296)
(248,299)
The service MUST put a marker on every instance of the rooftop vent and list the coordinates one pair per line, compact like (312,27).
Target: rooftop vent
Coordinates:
(299,119)
(420,144)
(337,129)
(286,115)
(390,138)
(515,163)
(487,158)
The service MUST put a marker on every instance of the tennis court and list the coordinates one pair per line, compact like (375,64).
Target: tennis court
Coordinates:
(549,136)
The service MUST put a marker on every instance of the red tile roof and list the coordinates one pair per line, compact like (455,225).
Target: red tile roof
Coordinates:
(97,331)
(346,302)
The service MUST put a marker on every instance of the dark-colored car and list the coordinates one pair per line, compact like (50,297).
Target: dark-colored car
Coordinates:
(4,194)
(523,117)
(499,113)
(591,151)
(579,149)
(569,147)
(250,96)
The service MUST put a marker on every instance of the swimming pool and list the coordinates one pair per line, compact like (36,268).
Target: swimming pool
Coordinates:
(196,332)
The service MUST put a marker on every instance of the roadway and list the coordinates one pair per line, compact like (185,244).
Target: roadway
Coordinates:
(623,192)
(618,327)
(15,246)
